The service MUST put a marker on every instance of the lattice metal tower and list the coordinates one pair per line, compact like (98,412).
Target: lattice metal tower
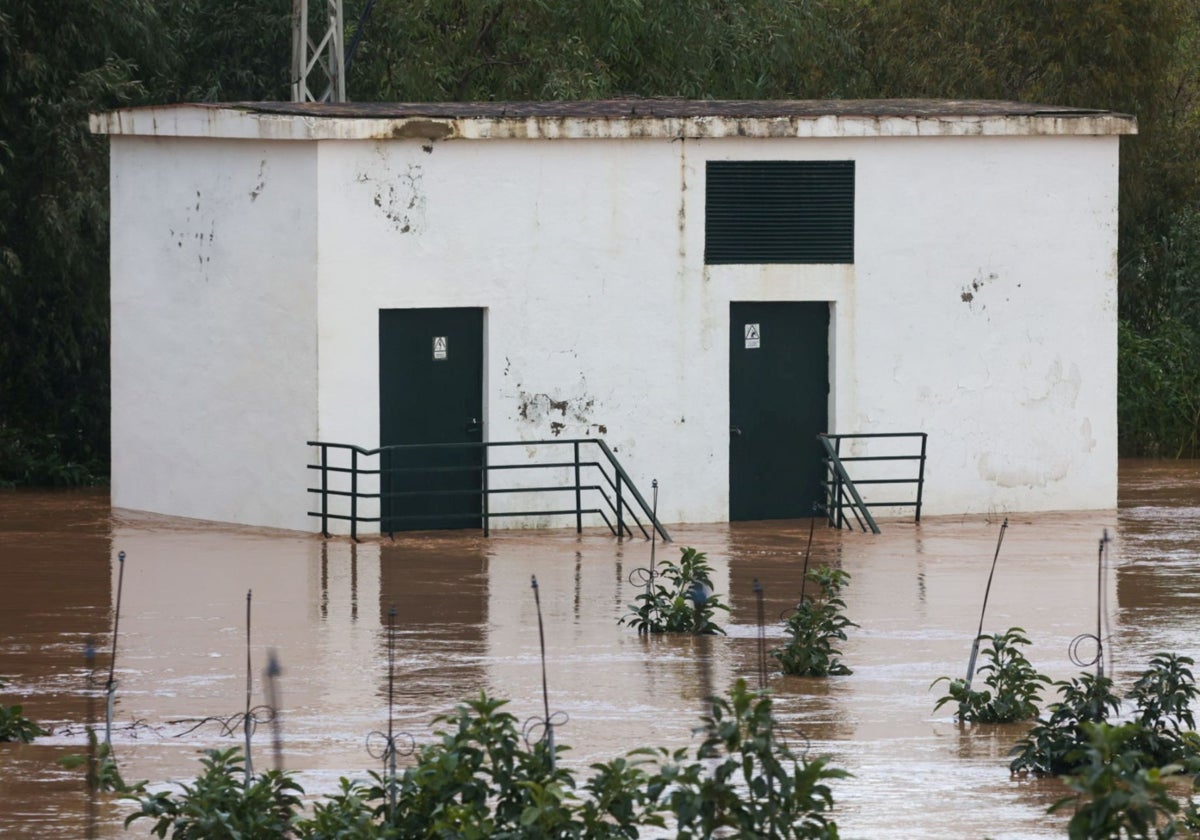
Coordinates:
(318,64)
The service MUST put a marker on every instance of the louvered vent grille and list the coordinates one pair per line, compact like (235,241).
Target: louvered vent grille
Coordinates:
(779,211)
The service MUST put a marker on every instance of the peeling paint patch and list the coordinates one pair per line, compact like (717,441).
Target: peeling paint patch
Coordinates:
(570,414)
(399,197)
(971,291)
(196,236)
(262,181)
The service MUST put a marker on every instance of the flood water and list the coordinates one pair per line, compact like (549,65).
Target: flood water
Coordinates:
(466,622)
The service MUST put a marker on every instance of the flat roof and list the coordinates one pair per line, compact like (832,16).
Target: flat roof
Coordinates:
(611,118)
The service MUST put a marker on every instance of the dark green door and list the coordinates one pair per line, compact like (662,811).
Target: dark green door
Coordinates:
(431,391)
(778,404)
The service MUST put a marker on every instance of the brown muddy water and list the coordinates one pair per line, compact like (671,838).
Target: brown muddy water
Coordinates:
(466,622)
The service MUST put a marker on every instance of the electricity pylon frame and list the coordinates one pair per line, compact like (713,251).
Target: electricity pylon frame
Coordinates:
(321,60)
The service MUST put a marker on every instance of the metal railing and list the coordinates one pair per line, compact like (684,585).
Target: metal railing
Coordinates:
(353,478)
(842,491)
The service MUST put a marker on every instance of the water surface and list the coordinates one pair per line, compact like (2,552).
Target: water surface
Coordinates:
(465,622)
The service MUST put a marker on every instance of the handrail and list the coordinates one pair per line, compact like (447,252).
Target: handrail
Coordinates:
(844,484)
(623,511)
(841,482)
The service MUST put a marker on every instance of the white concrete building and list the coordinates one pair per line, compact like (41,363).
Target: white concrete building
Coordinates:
(704,285)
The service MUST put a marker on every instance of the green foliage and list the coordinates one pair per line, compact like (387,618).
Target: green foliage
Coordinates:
(814,625)
(223,804)
(1161,697)
(60,60)
(1053,745)
(479,780)
(1159,382)
(453,50)
(680,599)
(1013,684)
(753,785)
(14,726)
(103,774)
(1118,791)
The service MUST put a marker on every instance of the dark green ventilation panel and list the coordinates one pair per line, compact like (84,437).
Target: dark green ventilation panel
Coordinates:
(779,211)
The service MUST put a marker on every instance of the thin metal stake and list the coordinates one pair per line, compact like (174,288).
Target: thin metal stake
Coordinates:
(1101,556)
(89,655)
(111,686)
(247,725)
(653,538)
(272,674)
(391,737)
(762,637)
(812,524)
(986,592)
(545,690)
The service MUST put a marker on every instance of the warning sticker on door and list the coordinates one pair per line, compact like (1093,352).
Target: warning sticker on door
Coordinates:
(439,348)
(753,337)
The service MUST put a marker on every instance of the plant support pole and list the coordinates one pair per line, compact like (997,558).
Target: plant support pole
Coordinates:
(986,592)
(247,724)
(272,674)
(111,687)
(545,690)
(391,736)
(653,537)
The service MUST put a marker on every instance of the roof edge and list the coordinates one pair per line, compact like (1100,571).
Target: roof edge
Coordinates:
(283,121)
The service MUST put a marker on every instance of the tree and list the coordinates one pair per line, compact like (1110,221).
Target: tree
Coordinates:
(59,59)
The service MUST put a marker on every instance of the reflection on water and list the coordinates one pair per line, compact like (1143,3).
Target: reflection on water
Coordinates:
(466,622)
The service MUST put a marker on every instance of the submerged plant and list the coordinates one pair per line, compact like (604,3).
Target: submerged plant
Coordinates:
(1163,723)
(814,626)
(1054,745)
(224,803)
(1013,685)
(1162,697)
(102,771)
(678,599)
(480,779)
(14,726)
(1118,790)
(753,786)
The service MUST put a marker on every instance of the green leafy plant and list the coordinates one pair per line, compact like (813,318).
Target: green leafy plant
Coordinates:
(1162,697)
(102,771)
(1118,792)
(814,626)
(753,786)
(1013,685)
(14,726)
(223,803)
(479,779)
(679,599)
(1053,746)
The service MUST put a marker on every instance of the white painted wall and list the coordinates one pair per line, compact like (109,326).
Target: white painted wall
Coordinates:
(981,307)
(971,256)
(213,328)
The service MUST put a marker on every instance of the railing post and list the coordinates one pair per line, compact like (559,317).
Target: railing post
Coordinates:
(921,477)
(484,500)
(579,495)
(354,494)
(620,503)
(324,491)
